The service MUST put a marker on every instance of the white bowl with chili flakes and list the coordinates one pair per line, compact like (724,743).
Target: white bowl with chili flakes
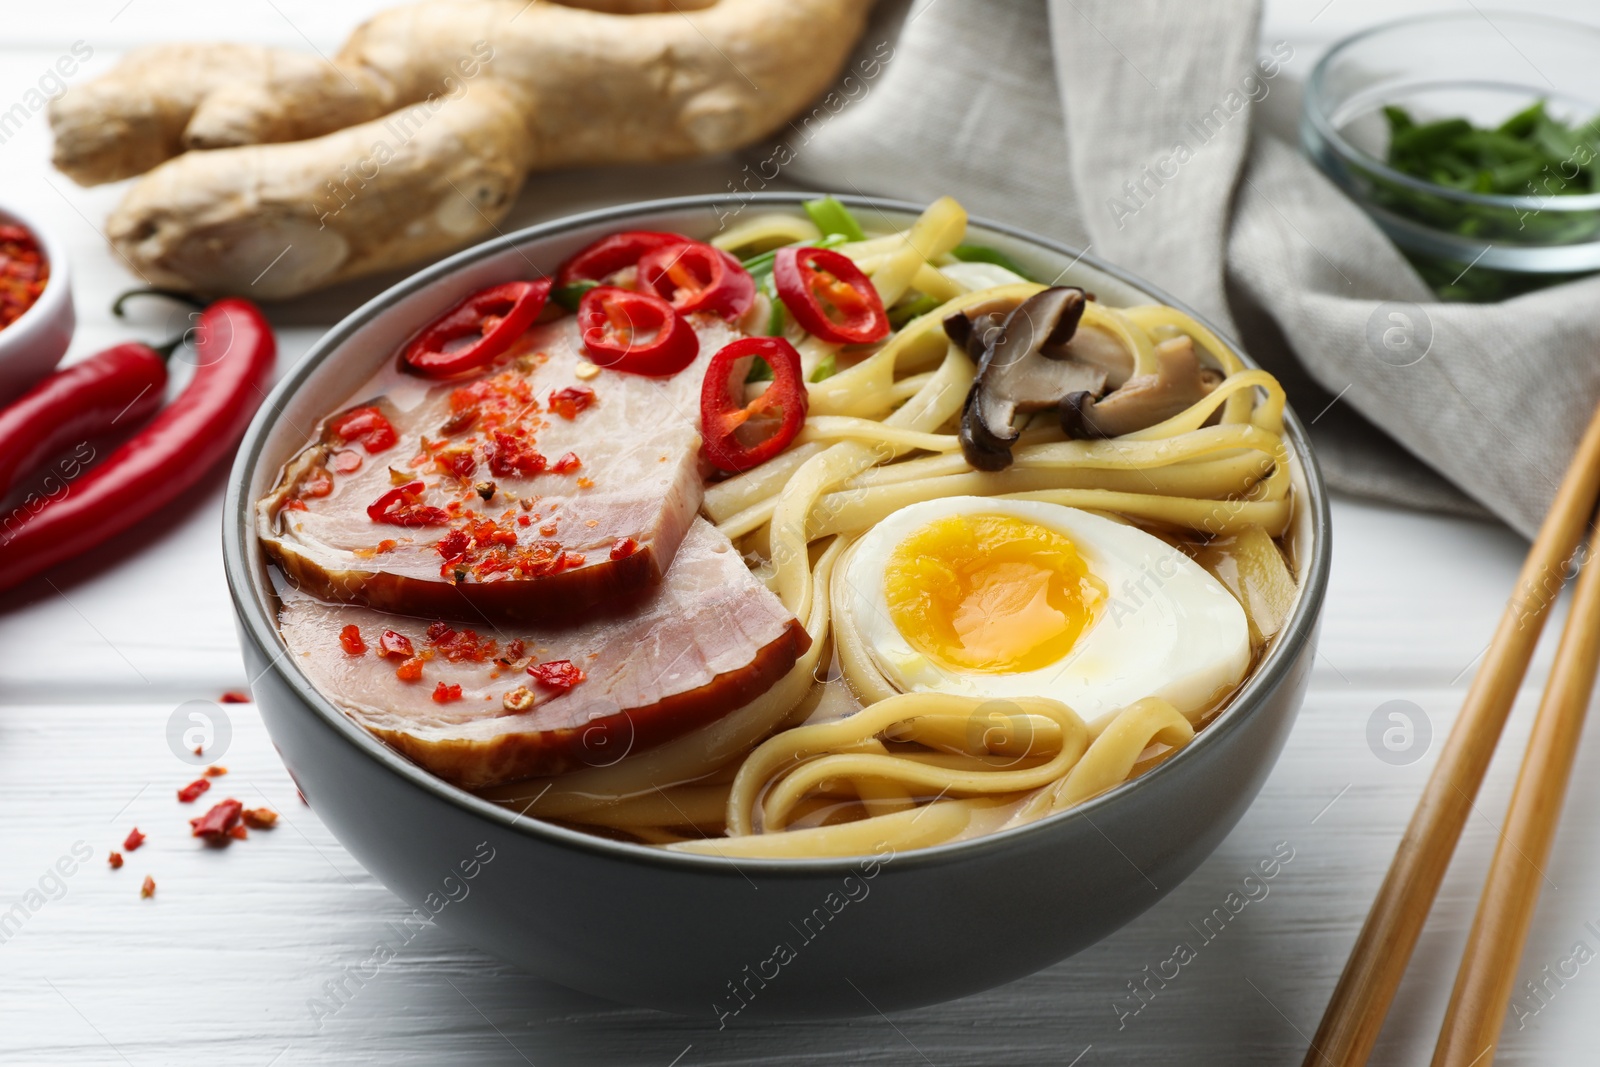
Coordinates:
(36,317)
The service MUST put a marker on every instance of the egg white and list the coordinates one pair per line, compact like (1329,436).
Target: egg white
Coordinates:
(1167,628)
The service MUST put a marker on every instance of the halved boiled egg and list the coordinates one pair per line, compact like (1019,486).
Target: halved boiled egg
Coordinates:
(1012,598)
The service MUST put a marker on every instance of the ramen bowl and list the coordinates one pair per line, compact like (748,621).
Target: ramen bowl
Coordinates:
(743,939)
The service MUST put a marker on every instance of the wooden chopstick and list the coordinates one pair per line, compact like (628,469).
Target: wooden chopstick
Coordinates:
(1489,964)
(1360,1001)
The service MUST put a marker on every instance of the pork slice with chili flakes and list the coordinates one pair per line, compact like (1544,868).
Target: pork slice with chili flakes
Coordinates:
(503,494)
(538,701)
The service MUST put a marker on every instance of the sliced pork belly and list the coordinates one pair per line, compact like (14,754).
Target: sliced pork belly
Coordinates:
(538,490)
(710,639)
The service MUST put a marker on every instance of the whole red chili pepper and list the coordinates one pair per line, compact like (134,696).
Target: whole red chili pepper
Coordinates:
(723,411)
(116,389)
(496,316)
(163,461)
(636,332)
(829,296)
(605,257)
(696,277)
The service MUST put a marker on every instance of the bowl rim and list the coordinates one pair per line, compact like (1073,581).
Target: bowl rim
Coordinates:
(258,626)
(57,289)
(1316,114)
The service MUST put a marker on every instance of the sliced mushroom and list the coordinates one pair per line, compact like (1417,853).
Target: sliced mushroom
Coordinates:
(1091,344)
(1179,382)
(974,327)
(1017,376)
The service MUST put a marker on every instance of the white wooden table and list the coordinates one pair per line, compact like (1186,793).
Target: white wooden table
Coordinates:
(224,964)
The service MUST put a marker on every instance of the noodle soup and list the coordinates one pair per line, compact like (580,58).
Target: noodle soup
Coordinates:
(799,543)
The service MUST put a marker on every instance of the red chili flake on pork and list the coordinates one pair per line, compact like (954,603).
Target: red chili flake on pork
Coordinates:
(364,426)
(567,463)
(410,670)
(386,545)
(214,824)
(444,694)
(560,674)
(512,456)
(459,462)
(295,505)
(458,645)
(523,520)
(393,644)
(191,792)
(234,696)
(572,560)
(23,273)
(259,818)
(623,547)
(346,461)
(570,401)
(585,483)
(350,640)
(115,859)
(134,840)
(514,652)
(147,888)
(317,482)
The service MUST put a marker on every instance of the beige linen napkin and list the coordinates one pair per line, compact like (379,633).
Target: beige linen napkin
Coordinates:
(1162,137)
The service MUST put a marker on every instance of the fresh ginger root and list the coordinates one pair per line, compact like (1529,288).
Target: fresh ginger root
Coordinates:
(275,173)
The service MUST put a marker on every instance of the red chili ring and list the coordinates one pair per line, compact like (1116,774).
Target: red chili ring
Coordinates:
(608,255)
(722,411)
(497,316)
(697,277)
(813,281)
(609,317)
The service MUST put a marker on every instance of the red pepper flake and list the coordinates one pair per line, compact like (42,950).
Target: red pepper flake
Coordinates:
(385,545)
(560,674)
(134,840)
(260,818)
(584,483)
(237,830)
(523,520)
(570,560)
(393,644)
(295,505)
(115,859)
(234,696)
(23,273)
(366,427)
(623,547)
(410,670)
(191,792)
(567,463)
(216,770)
(147,888)
(402,506)
(570,401)
(457,461)
(350,640)
(317,482)
(444,694)
(512,455)
(215,824)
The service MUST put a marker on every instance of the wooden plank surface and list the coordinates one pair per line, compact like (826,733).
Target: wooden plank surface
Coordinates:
(226,964)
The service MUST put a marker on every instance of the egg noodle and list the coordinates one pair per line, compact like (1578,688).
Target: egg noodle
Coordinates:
(835,764)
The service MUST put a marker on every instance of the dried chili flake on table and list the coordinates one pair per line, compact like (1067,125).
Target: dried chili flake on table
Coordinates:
(572,400)
(234,696)
(147,888)
(134,839)
(23,273)
(350,640)
(259,818)
(215,824)
(216,770)
(561,674)
(191,792)
(237,830)
(115,859)
(444,694)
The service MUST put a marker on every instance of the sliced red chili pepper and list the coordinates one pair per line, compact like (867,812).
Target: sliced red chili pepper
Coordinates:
(364,426)
(571,401)
(696,277)
(494,317)
(723,413)
(560,674)
(610,254)
(635,332)
(829,296)
(216,823)
(402,506)
(191,792)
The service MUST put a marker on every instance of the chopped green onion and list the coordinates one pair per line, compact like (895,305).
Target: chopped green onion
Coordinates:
(568,296)
(985,254)
(825,369)
(903,313)
(775,316)
(833,217)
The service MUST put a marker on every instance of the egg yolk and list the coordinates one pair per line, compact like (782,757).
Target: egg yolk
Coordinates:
(990,593)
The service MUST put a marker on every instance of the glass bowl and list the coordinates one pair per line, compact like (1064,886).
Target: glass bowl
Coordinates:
(1483,67)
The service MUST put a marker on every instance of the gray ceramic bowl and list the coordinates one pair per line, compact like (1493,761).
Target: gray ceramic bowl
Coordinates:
(752,939)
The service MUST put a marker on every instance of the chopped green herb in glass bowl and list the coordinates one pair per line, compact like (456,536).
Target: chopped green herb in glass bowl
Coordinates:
(1474,143)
